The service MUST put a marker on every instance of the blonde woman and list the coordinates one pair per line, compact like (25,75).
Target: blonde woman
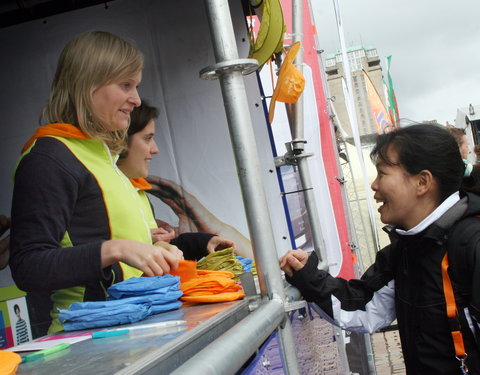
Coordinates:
(76,222)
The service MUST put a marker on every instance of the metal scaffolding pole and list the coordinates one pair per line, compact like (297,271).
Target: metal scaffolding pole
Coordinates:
(298,146)
(229,69)
(231,350)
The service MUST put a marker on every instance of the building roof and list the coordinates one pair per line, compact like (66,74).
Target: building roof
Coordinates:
(349,49)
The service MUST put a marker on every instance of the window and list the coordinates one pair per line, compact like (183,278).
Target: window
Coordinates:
(330,62)
(372,53)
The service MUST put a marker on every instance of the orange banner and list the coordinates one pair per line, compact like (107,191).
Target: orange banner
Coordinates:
(381,116)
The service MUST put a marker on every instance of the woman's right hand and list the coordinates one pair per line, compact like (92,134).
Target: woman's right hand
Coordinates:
(293,260)
(152,260)
(172,249)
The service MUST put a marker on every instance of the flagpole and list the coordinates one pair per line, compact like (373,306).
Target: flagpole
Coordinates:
(354,124)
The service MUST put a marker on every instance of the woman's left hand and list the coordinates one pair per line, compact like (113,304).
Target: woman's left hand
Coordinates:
(219,243)
(162,234)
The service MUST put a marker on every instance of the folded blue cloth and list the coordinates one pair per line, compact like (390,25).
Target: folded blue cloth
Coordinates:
(136,286)
(152,299)
(246,263)
(130,301)
(103,317)
(168,306)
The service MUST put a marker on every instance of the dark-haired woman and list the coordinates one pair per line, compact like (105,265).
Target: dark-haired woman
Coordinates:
(135,164)
(419,172)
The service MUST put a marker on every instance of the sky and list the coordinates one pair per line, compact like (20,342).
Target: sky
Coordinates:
(435,48)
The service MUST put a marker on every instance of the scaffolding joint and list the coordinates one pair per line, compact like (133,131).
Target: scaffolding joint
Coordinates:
(341,180)
(290,159)
(353,246)
(297,145)
(295,305)
(213,72)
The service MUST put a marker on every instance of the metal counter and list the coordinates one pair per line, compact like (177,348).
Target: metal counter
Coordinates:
(144,351)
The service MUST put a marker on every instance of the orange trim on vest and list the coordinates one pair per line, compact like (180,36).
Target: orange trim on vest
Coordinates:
(452,311)
(57,129)
(140,183)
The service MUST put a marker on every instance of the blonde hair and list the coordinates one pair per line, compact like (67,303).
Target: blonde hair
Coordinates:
(91,60)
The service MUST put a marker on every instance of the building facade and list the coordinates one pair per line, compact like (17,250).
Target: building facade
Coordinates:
(360,59)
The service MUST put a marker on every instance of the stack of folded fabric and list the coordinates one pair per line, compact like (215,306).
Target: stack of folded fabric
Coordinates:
(248,265)
(211,286)
(222,260)
(130,301)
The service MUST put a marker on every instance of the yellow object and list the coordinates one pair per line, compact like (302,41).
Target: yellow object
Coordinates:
(9,362)
(270,36)
(290,83)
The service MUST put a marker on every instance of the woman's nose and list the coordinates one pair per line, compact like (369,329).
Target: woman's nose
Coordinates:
(135,98)
(154,150)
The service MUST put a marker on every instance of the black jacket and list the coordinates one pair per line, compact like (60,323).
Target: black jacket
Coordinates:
(405,282)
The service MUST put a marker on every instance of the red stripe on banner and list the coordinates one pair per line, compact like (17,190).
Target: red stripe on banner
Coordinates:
(326,132)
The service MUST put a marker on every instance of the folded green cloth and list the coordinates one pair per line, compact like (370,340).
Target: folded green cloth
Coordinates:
(222,260)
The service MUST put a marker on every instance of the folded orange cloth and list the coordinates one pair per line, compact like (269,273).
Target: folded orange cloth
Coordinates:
(211,286)
(227,274)
(222,297)
(208,285)
(187,269)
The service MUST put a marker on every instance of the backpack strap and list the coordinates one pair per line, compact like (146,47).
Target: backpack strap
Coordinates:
(459,237)
(452,314)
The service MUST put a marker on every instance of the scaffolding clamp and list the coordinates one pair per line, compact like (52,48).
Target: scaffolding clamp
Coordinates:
(290,159)
(295,305)
(213,72)
(353,246)
(340,179)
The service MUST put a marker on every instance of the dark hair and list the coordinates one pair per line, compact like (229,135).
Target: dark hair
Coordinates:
(16,308)
(139,118)
(424,146)
(472,182)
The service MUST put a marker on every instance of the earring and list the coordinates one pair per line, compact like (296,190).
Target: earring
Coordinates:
(89,119)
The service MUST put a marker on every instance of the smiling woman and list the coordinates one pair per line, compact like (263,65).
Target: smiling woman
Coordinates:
(412,180)
(419,172)
(113,103)
(141,142)
(77,225)
(135,164)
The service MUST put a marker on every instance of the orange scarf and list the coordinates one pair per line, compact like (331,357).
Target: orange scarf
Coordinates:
(71,131)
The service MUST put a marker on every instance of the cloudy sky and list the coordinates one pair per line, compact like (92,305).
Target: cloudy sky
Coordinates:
(435,48)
